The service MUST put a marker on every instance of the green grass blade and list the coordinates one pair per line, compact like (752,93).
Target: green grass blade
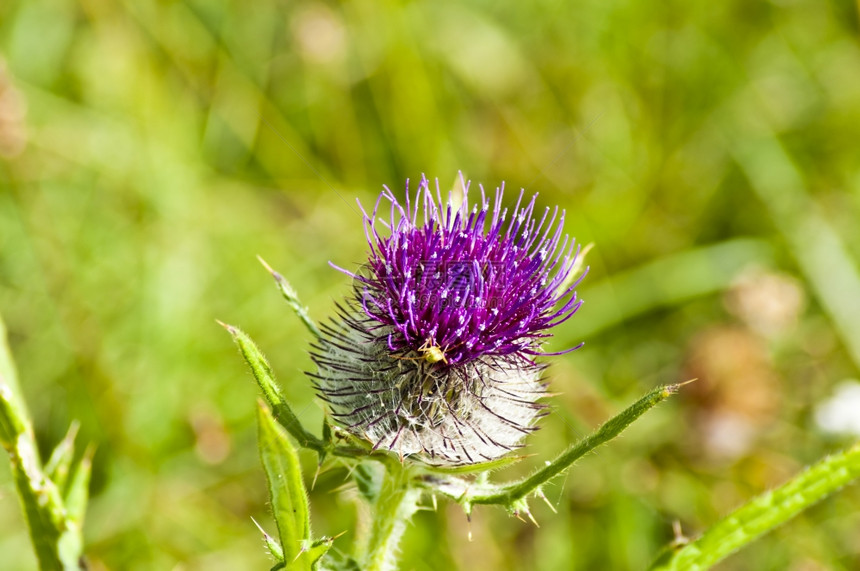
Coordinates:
(78,490)
(288,496)
(822,254)
(766,512)
(694,273)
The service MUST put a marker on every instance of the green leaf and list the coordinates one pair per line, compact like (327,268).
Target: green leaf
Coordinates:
(317,549)
(271,544)
(286,489)
(766,512)
(265,378)
(13,422)
(337,561)
(368,477)
(78,489)
(326,431)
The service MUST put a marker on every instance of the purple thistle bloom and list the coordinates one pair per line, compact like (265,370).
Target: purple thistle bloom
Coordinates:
(434,353)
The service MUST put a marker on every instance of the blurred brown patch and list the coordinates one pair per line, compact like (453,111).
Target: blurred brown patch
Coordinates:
(738,392)
(213,443)
(768,302)
(13,108)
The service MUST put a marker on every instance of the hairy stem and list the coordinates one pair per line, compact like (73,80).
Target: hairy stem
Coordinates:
(395,505)
(511,495)
(766,512)
(292,299)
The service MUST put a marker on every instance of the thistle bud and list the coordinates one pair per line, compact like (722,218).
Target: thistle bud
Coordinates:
(432,355)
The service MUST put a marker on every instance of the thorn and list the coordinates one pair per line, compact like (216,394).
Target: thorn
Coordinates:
(278,277)
(685,383)
(435,505)
(343,487)
(265,264)
(539,493)
(263,531)
(469,525)
(316,475)
(531,517)
(229,328)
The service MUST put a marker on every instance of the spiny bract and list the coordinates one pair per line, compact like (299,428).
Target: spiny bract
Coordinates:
(433,354)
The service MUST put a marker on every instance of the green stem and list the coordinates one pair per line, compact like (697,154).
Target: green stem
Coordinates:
(55,535)
(395,505)
(766,512)
(292,299)
(511,494)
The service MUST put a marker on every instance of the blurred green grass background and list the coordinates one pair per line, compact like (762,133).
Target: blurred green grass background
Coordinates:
(149,150)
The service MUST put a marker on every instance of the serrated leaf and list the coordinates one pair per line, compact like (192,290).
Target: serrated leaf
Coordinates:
(260,367)
(286,489)
(316,550)
(271,544)
(265,378)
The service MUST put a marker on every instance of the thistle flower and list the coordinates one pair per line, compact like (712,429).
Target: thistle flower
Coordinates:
(433,355)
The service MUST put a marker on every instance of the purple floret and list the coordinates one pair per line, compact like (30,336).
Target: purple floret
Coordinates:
(472,282)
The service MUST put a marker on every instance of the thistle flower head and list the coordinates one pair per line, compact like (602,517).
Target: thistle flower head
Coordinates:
(434,353)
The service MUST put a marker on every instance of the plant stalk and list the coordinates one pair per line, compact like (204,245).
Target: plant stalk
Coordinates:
(395,506)
(510,493)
